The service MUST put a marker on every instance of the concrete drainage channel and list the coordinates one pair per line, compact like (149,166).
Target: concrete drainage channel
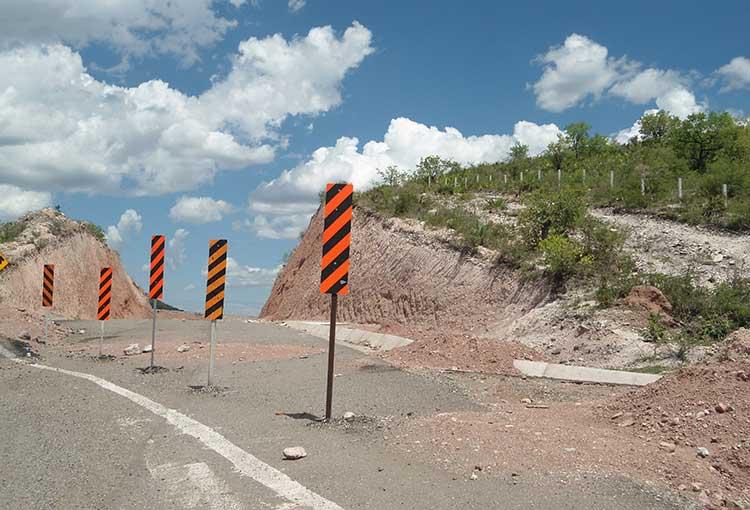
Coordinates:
(363,341)
(583,374)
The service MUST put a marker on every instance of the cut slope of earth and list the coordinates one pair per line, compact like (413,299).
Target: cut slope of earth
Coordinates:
(49,237)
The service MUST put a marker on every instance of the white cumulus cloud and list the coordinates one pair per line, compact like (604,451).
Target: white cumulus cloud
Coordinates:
(736,74)
(15,202)
(61,129)
(296,5)
(581,68)
(248,276)
(199,210)
(578,68)
(283,206)
(130,223)
(176,248)
(130,27)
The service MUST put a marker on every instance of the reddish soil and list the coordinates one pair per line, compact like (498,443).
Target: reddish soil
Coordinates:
(403,274)
(461,352)
(567,429)
(707,406)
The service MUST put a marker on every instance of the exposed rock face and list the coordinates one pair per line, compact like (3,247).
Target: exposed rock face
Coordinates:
(49,237)
(402,274)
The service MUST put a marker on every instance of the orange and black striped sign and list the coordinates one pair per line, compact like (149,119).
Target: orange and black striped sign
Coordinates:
(3,262)
(48,284)
(156,288)
(337,227)
(105,294)
(217,272)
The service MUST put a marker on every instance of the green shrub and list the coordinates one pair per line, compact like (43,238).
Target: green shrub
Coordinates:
(496,204)
(563,257)
(10,231)
(95,230)
(548,215)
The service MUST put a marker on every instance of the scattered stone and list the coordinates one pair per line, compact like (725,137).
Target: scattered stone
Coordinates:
(183,348)
(668,447)
(349,416)
(722,408)
(473,476)
(148,348)
(25,336)
(294,453)
(696,487)
(81,331)
(616,415)
(702,452)
(526,401)
(132,350)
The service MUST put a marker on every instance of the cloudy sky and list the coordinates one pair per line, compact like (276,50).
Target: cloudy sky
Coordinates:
(201,119)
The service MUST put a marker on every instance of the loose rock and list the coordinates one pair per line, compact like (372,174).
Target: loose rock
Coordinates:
(294,453)
(183,348)
(132,350)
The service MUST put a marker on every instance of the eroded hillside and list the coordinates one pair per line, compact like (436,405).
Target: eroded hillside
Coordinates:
(78,253)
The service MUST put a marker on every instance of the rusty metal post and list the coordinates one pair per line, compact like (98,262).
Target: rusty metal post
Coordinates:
(331,352)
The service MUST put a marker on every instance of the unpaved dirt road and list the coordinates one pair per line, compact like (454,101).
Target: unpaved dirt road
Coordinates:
(75,442)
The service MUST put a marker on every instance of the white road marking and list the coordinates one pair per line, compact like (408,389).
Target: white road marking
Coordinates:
(195,486)
(247,464)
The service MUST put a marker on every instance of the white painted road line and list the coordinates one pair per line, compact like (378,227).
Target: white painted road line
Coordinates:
(247,464)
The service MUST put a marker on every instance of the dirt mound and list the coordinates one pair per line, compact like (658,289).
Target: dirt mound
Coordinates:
(461,352)
(649,298)
(737,345)
(704,406)
(403,274)
(49,237)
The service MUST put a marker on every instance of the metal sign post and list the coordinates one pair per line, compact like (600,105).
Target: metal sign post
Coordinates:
(334,274)
(217,269)
(105,301)
(156,283)
(212,352)
(48,288)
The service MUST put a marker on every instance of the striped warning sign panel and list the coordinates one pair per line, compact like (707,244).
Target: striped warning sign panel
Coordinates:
(156,287)
(3,262)
(105,294)
(48,284)
(337,227)
(217,272)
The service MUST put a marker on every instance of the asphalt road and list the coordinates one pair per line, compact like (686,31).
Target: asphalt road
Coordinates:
(68,442)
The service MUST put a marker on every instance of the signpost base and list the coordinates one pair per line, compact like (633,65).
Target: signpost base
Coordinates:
(331,355)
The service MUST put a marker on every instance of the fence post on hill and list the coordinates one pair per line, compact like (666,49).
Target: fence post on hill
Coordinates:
(429,181)
(559,178)
(725,193)
(521,175)
(539,174)
(455,182)
(679,189)
(584,176)
(505,178)
(611,179)
(643,186)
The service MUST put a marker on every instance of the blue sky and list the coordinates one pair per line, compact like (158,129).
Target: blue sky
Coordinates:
(135,107)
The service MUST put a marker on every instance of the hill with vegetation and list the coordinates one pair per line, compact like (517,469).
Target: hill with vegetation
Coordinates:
(560,231)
